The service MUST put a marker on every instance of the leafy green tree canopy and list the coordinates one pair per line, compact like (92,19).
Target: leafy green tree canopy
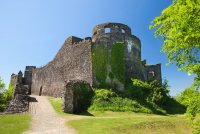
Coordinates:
(179,26)
(152,92)
(2,97)
(2,85)
(191,99)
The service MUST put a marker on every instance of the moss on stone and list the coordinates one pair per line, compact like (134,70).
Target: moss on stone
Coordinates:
(99,63)
(111,76)
(101,59)
(118,61)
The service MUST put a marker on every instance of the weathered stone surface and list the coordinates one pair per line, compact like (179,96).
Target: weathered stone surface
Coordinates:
(107,35)
(77,96)
(28,76)
(74,61)
(153,72)
(17,106)
(19,102)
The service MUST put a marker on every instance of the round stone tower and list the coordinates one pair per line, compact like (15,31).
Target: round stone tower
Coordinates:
(116,56)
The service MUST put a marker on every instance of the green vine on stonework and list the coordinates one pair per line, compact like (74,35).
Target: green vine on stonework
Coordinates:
(9,92)
(118,61)
(99,63)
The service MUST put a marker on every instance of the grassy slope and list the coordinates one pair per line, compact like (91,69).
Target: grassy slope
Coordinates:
(57,104)
(14,124)
(126,122)
(129,125)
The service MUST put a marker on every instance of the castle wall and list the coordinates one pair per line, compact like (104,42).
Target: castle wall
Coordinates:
(105,38)
(19,102)
(73,61)
(28,76)
(108,59)
(13,80)
(153,72)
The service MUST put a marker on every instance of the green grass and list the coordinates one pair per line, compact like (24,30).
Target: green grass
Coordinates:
(57,105)
(14,124)
(108,122)
(132,125)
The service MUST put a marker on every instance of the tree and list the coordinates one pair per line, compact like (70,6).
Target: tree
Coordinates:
(188,96)
(152,92)
(2,85)
(2,97)
(191,99)
(179,26)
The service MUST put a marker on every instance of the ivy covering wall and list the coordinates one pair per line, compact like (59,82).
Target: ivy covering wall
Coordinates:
(99,63)
(102,58)
(118,61)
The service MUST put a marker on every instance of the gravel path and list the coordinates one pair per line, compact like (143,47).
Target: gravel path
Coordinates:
(44,119)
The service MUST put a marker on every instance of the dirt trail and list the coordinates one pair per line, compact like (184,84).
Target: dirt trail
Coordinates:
(44,119)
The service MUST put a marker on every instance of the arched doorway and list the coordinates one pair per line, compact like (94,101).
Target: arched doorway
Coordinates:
(40,93)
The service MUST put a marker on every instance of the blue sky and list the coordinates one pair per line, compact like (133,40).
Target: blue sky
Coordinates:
(31,32)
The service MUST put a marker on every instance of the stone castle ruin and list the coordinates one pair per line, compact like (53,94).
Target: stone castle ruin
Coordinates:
(20,98)
(108,59)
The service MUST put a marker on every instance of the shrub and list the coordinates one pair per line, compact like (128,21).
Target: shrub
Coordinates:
(158,93)
(8,93)
(155,96)
(5,95)
(104,94)
(188,96)
(152,92)
(193,108)
(172,106)
(191,99)
(2,85)
(2,96)
(2,107)
(196,127)
(142,87)
(107,100)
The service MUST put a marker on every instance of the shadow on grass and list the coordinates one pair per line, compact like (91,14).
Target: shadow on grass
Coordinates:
(85,113)
(155,109)
(171,106)
(174,107)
